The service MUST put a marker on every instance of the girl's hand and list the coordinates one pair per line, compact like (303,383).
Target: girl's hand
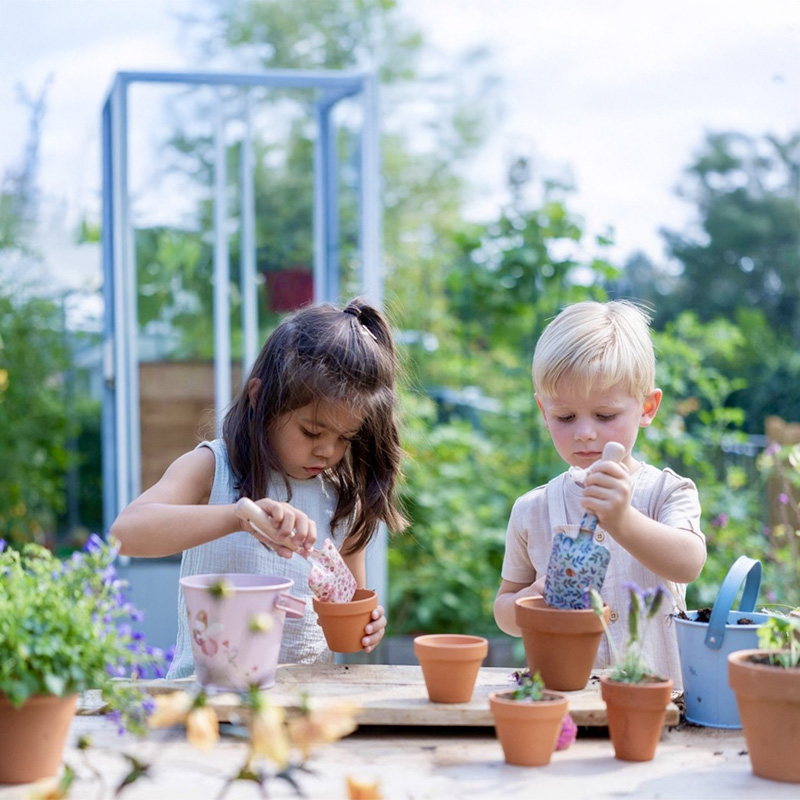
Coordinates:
(288,530)
(374,630)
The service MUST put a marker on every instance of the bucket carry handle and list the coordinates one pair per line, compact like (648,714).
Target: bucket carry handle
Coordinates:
(293,606)
(742,568)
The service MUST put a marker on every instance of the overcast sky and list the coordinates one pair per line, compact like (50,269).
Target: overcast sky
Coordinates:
(619,93)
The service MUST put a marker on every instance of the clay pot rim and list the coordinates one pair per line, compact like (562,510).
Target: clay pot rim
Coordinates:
(527,604)
(651,681)
(744,658)
(363,600)
(551,698)
(256,583)
(40,699)
(463,647)
(533,614)
(453,642)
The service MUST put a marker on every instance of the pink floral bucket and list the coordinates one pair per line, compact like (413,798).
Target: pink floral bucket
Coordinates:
(236,624)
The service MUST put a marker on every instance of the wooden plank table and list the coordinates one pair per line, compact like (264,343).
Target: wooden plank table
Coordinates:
(392,695)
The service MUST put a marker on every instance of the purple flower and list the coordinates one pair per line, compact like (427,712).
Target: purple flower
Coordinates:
(116,718)
(720,521)
(133,612)
(94,544)
(783,498)
(2,545)
(772,448)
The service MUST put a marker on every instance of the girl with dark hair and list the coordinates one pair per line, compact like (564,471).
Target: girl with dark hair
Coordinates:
(312,439)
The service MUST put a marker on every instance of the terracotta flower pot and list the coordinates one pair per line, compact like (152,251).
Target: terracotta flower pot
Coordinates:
(450,664)
(560,644)
(343,623)
(528,731)
(32,737)
(768,698)
(636,714)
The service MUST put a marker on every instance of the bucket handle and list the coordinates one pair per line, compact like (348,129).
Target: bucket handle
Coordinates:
(293,606)
(742,568)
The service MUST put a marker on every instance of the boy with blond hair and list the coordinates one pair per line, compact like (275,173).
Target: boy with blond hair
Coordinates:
(594,382)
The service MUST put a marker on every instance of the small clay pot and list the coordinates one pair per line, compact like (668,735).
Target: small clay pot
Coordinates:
(528,730)
(560,644)
(34,737)
(450,664)
(636,714)
(343,623)
(768,698)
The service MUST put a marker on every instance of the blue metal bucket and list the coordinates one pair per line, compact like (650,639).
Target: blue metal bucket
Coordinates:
(704,647)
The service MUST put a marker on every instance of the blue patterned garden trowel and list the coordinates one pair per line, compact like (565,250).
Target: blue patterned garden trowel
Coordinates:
(578,564)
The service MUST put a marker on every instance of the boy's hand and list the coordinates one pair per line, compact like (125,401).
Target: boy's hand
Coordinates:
(375,629)
(608,493)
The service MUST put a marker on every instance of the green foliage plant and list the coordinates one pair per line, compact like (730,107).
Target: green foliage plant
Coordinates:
(630,666)
(780,635)
(34,425)
(780,465)
(458,489)
(65,628)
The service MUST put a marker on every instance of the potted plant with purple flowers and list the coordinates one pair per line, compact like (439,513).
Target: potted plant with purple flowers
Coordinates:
(636,698)
(65,628)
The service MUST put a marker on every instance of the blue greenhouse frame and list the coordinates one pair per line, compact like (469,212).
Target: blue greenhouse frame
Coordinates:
(121,422)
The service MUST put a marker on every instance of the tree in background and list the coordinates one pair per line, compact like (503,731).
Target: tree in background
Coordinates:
(34,425)
(430,126)
(747,194)
(741,263)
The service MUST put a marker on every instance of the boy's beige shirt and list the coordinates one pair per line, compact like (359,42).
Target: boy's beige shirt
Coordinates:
(661,495)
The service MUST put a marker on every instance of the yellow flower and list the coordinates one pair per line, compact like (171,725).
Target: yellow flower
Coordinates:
(321,726)
(360,789)
(268,737)
(175,708)
(202,728)
(171,709)
(261,623)
(220,589)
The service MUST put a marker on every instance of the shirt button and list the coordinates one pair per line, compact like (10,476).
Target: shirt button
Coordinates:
(599,536)
(614,616)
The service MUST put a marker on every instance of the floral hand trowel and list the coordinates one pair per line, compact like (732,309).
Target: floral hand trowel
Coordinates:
(578,564)
(329,579)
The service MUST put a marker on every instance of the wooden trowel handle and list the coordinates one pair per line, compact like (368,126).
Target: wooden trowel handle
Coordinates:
(613,451)
(260,522)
